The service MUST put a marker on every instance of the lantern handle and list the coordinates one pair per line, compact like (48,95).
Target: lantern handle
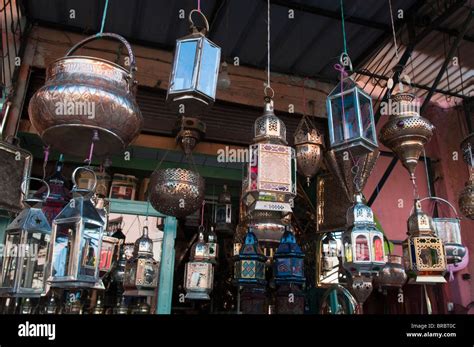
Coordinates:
(203,17)
(266,90)
(438,199)
(133,64)
(34,200)
(73,178)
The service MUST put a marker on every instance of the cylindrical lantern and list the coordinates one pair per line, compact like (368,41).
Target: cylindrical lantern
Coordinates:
(76,241)
(223,214)
(194,75)
(199,274)
(25,260)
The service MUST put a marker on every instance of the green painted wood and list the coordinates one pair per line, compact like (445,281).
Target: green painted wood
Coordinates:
(133,207)
(4,221)
(165,293)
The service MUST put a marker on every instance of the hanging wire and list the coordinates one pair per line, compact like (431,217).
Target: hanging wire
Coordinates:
(428,179)
(268,45)
(343,27)
(393,29)
(45,162)
(104,17)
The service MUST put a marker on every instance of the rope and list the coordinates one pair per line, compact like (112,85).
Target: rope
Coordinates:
(104,16)
(343,27)
(46,158)
(393,29)
(199,6)
(268,44)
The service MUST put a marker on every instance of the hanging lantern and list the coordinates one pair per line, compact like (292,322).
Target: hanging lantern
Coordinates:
(195,71)
(86,98)
(308,145)
(249,265)
(363,242)
(289,260)
(423,252)
(176,192)
(467,146)
(223,214)
(212,246)
(329,253)
(270,183)
(141,271)
(199,274)
(351,119)
(76,242)
(361,286)
(25,260)
(406,132)
(108,254)
(393,273)
(466,199)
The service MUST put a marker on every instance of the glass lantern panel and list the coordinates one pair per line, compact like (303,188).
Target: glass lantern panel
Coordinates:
(208,70)
(347,251)
(362,249)
(344,118)
(89,250)
(106,255)
(378,249)
(184,66)
(366,115)
(63,244)
(429,257)
(448,230)
(34,262)
(10,260)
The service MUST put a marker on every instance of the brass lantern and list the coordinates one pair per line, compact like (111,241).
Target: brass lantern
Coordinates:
(141,271)
(199,274)
(108,254)
(223,214)
(195,71)
(25,253)
(308,145)
(76,241)
(270,177)
(423,252)
(406,132)
(351,119)
(362,242)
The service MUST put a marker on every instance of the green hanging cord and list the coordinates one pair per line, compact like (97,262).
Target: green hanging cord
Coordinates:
(104,16)
(343,27)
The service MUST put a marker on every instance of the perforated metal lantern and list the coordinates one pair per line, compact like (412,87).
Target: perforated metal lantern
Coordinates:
(249,265)
(176,192)
(289,261)
(363,242)
(141,271)
(199,273)
(466,199)
(423,252)
(223,215)
(195,71)
(351,119)
(309,145)
(25,254)
(76,240)
(86,98)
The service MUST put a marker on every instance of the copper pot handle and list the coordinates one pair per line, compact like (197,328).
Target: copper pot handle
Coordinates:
(133,64)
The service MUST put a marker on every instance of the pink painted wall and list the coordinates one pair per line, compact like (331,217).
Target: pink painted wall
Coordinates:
(394,202)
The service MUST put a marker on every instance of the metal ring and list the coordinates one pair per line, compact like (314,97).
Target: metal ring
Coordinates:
(439,199)
(201,228)
(85,169)
(203,17)
(35,179)
(265,92)
(343,58)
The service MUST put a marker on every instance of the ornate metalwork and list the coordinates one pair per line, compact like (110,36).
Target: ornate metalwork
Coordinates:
(466,199)
(393,273)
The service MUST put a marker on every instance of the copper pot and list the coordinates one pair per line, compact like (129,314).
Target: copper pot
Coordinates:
(84,97)
(393,273)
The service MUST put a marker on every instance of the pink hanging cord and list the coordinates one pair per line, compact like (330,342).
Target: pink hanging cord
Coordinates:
(46,159)
(202,214)
(199,6)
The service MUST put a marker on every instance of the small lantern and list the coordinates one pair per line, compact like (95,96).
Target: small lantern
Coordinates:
(449,231)
(199,274)
(289,260)
(351,118)
(223,215)
(270,183)
(363,242)
(141,271)
(76,242)
(195,71)
(329,253)
(249,265)
(25,262)
(423,252)
(212,246)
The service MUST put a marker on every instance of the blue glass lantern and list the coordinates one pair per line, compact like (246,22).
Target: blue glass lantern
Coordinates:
(351,119)
(25,253)
(249,265)
(195,71)
(76,241)
(289,260)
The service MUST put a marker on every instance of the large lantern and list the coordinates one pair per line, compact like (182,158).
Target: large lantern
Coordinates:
(195,71)
(270,180)
(363,242)
(76,241)
(141,271)
(223,214)
(351,118)
(199,274)
(423,252)
(249,265)
(25,260)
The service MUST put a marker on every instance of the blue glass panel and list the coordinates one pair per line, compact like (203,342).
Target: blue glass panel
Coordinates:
(184,66)
(344,117)
(210,59)
(366,114)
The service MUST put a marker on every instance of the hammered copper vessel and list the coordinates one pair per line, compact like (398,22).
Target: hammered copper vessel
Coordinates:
(308,146)
(176,192)
(466,199)
(84,97)
(406,132)
(393,273)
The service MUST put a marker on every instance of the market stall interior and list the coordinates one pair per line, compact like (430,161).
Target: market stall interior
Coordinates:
(238,157)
